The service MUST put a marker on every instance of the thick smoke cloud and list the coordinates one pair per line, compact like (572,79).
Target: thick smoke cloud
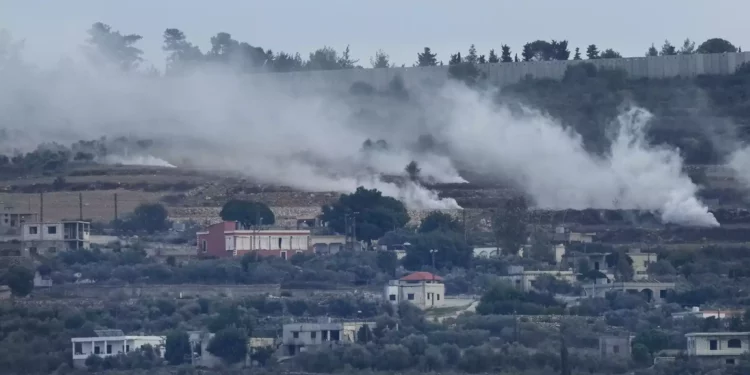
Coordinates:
(550,163)
(305,137)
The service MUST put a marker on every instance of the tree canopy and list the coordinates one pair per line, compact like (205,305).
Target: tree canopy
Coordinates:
(247,213)
(372,213)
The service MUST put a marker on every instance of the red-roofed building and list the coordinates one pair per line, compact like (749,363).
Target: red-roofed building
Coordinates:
(423,289)
(421,276)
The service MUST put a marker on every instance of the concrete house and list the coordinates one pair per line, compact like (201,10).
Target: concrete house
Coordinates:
(523,280)
(422,289)
(229,238)
(50,237)
(718,345)
(111,342)
(641,261)
(696,312)
(299,337)
(652,291)
(616,345)
(13,219)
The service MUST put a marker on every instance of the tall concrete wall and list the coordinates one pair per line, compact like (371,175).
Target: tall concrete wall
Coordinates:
(502,74)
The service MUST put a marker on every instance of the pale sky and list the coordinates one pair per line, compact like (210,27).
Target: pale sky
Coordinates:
(402,28)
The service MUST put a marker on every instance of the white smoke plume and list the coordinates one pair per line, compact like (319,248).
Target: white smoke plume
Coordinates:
(217,119)
(146,160)
(550,163)
(301,135)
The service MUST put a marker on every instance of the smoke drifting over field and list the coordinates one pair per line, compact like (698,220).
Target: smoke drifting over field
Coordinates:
(310,139)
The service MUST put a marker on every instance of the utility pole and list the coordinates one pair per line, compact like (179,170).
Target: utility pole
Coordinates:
(41,207)
(115,206)
(432,253)
(466,228)
(354,227)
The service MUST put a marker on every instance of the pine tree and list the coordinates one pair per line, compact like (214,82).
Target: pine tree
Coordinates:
(427,58)
(592,52)
(577,55)
(472,57)
(652,51)
(505,55)
(482,59)
(493,57)
(455,59)
(667,49)
(516,60)
(688,47)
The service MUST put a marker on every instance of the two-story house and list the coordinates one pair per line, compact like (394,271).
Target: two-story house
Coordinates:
(298,337)
(50,237)
(727,346)
(422,289)
(230,239)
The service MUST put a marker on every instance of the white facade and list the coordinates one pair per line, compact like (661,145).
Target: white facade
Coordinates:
(696,312)
(424,294)
(523,280)
(653,291)
(106,346)
(712,344)
(641,261)
(248,240)
(48,238)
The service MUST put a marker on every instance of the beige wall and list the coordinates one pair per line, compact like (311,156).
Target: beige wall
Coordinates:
(701,345)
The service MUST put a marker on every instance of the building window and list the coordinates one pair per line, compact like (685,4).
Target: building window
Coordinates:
(97,350)
(127,348)
(410,296)
(204,246)
(734,344)
(313,334)
(713,345)
(438,297)
(33,230)
(295,334)
(663,293)
(392,297)
(78,348)
(335,335)
(51,230)
(279,243)
(729,361)
(324,335)
(283,255)
(109,349)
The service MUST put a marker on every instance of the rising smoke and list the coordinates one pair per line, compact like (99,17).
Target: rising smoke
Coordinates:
(550,163)
(281,133)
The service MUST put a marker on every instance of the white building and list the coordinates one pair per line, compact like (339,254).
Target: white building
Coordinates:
(299,337)
(49,238)
(111,342)
(696,312)
(641,261)
(719,345)
(524,280)
(229,238)
(652,291)
(422,289)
